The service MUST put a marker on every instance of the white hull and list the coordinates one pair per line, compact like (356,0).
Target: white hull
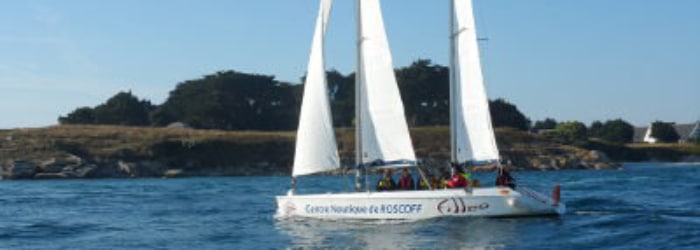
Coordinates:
(414,205)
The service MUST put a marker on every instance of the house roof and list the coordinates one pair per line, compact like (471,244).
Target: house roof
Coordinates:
(695,133)
(639,133)
(683,130)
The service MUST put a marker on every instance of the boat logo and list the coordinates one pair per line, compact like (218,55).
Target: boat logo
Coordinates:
(458,206)
(289,207)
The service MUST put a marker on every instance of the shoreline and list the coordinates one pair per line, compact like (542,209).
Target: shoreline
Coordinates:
(69,152)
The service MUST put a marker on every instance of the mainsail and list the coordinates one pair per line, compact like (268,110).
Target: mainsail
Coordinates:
(381,124)
(316,149)
(472,133)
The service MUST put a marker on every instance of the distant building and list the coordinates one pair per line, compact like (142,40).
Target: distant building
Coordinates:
(179,125)
(695,133)
(685,132)
(639,133)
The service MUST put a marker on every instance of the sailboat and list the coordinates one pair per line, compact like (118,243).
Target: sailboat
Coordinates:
(382,136)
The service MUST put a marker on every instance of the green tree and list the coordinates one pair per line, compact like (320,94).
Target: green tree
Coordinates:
(234,101)
(547,123)
(342,97)
(124,109)
(618,131)
(425,93)
(82,115)
(664,132)
(571,132)
(121,109)
(596,129)
(505,114)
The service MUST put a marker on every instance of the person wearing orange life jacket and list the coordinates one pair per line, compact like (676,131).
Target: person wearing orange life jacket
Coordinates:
(386,183)
(406,180)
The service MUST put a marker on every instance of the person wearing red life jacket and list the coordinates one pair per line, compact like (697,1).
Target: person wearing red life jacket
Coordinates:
(459,179)
(406,180)
(505,179)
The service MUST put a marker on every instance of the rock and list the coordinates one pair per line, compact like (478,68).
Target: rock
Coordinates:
(19,170)
(52,165)
(148,169)
(125,167)
(173,173)
(79,171)
(74,160)
(48,176)
(109,170)
(595,155)
(605,165)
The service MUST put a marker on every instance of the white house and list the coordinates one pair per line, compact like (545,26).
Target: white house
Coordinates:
(685,132)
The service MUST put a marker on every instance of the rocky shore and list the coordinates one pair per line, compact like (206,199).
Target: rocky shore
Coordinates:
(72,167)
(65,152)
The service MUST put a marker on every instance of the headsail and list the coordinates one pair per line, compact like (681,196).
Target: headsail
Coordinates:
(316,148)
(381,123)
(472,132)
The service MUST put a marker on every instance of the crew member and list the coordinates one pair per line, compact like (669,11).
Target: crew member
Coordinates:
(406,180)
(386,183)
(459,179)
(505,179)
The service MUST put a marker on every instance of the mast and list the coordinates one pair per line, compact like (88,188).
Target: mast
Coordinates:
(452,70)
(473,138)
(384,139)
(358,100)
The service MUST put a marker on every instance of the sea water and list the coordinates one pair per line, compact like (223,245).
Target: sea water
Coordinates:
(645,206)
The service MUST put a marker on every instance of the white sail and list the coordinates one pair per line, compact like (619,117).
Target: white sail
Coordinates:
(316,149)
(472,133)
(381,121)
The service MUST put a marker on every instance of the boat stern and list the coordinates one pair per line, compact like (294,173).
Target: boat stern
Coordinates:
(538,203)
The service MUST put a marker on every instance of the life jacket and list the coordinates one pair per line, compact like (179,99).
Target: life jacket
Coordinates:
(406,183)
(385,184)
(423,184)
(467,175)
(458,180)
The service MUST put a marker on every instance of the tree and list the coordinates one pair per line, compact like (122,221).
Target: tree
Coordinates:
(342,97)
(547,123)
(234,101)
(618,131)
(596,129)
(121,109)
(124,109)
(571,132)
(664,132)
(505,114)
(82,115)
(425,93)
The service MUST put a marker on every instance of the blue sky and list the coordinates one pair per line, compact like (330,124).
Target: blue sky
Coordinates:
(570,60)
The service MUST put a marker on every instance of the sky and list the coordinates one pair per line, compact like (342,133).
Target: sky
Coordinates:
(570,60)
